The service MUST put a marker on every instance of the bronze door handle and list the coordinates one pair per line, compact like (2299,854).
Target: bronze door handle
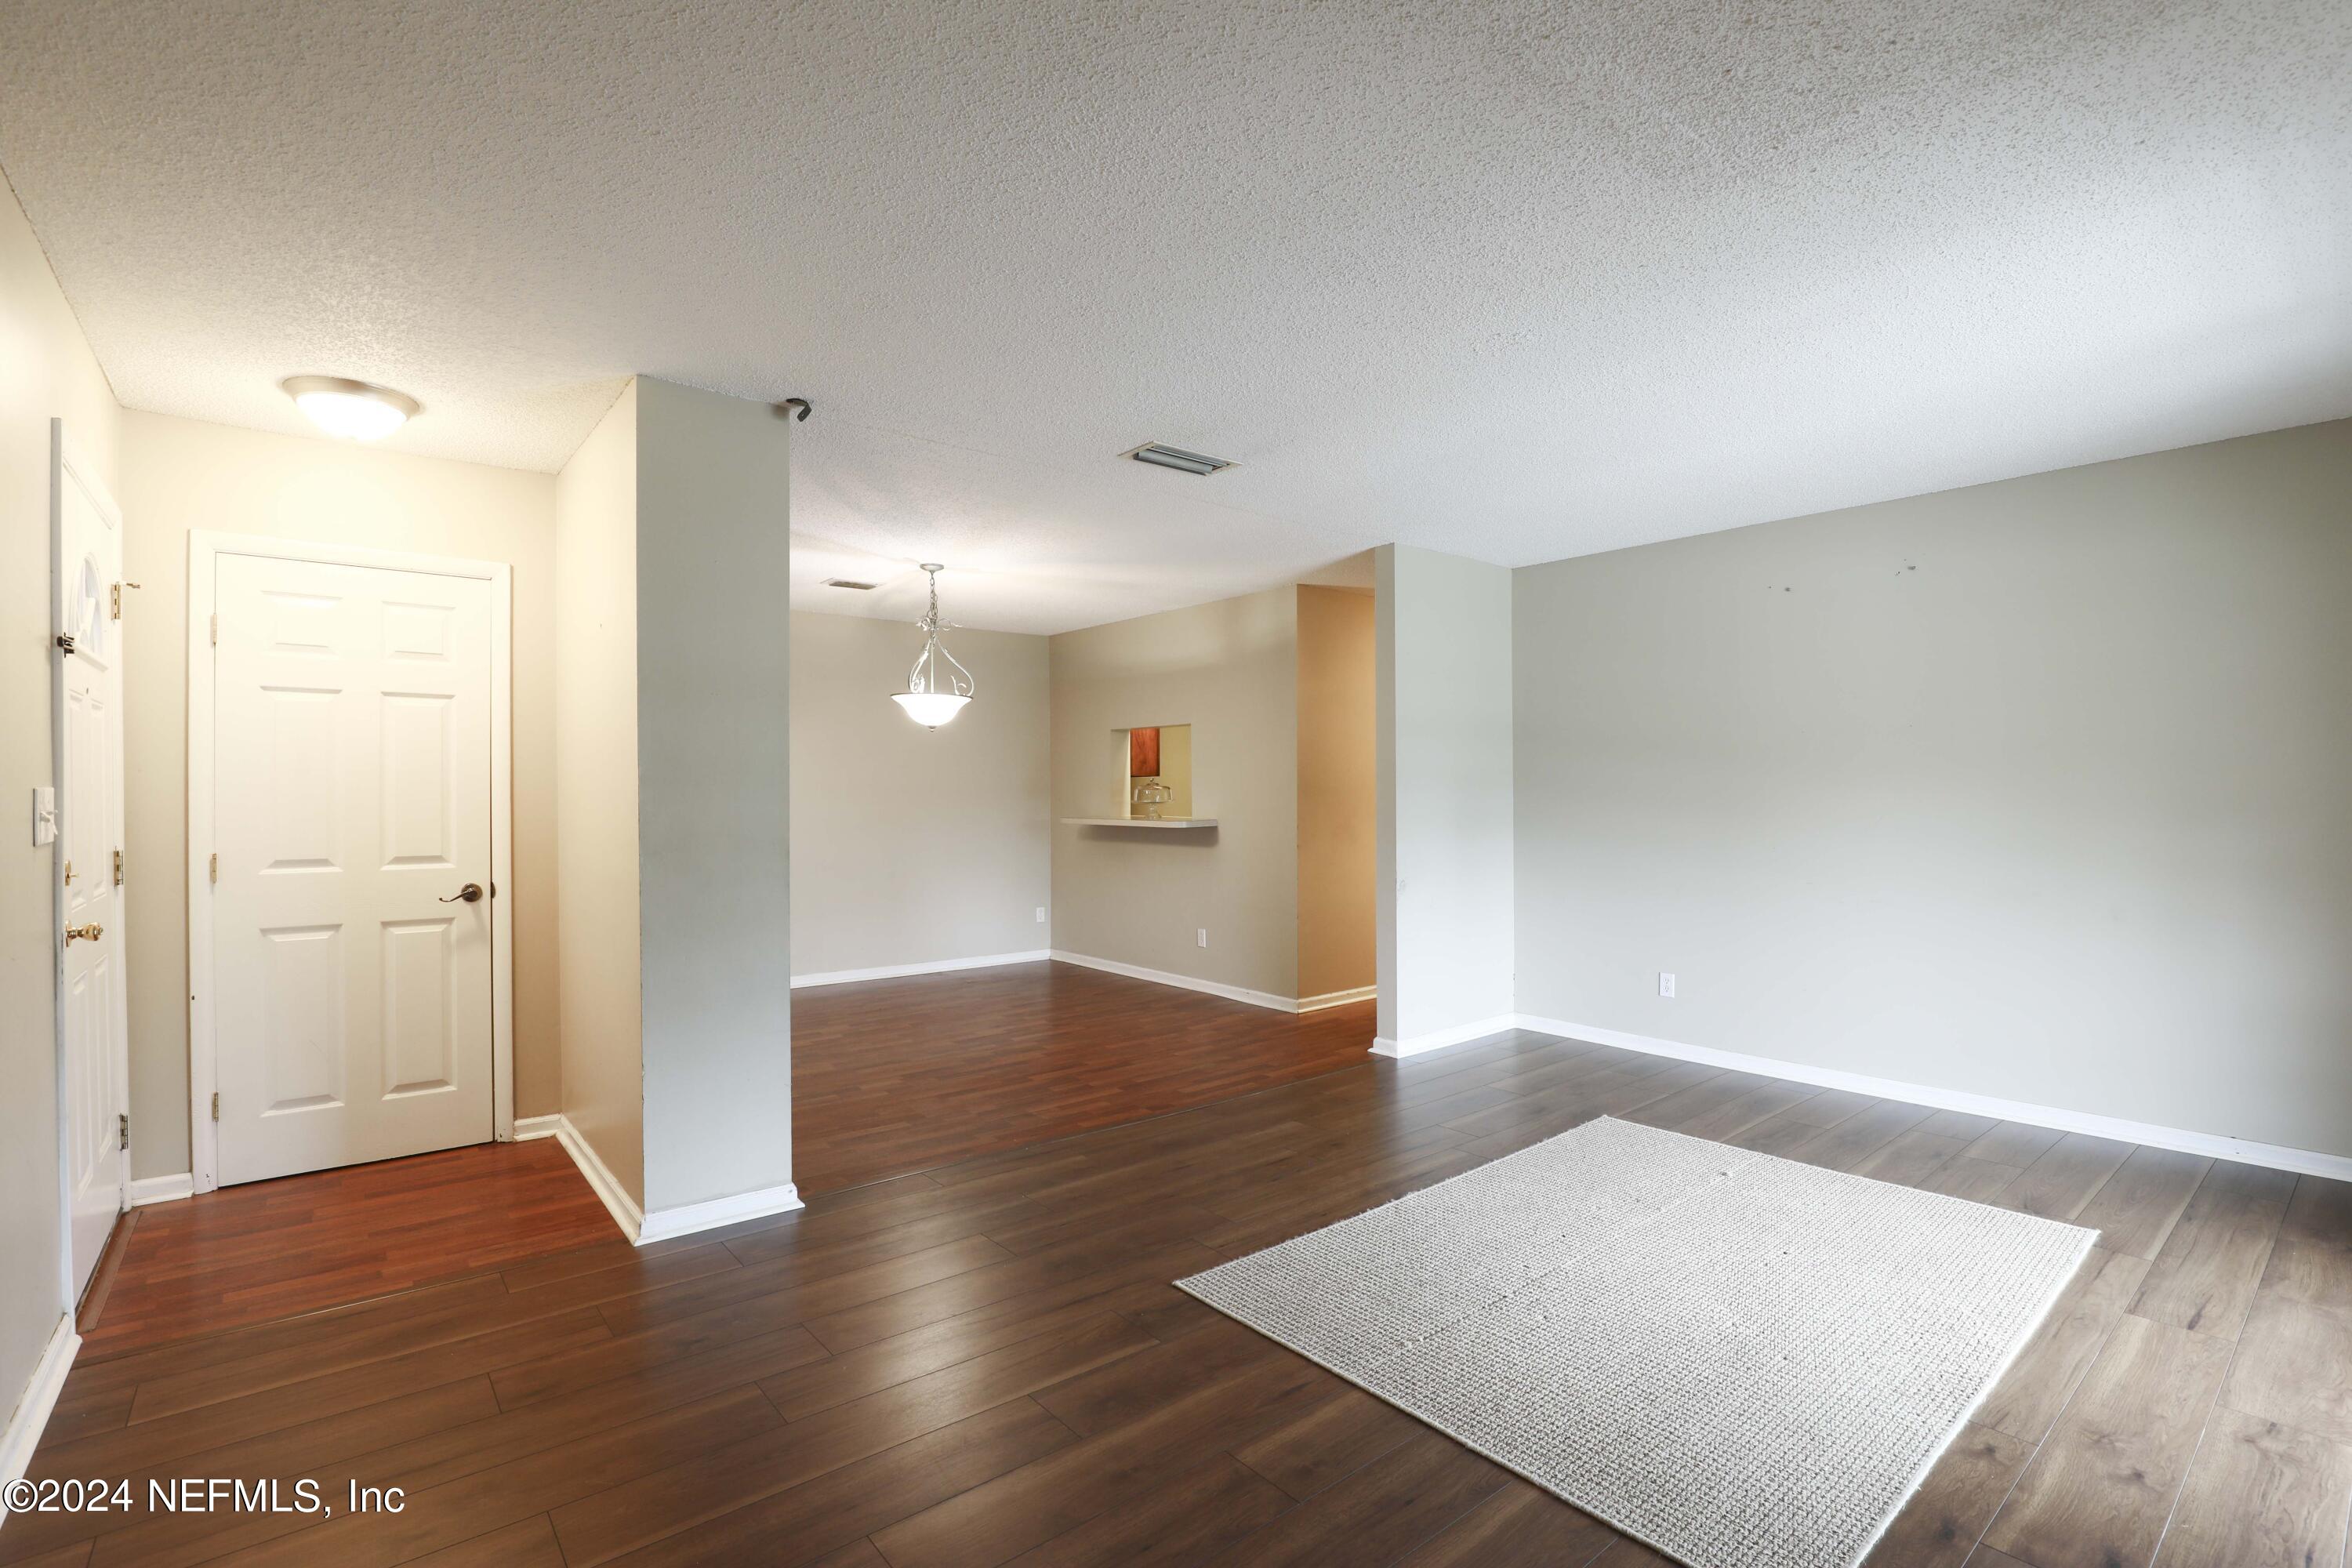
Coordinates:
(90,932)
(470,892)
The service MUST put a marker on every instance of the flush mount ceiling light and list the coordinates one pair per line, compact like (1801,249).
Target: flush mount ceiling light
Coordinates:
(1177,458)
(933,695)
(350,410)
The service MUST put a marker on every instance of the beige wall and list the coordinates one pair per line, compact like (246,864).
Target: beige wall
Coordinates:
(46,372)
(180,474)
(596,807)
(1136,895)
(912,846)
(1337,820)
(2040,790)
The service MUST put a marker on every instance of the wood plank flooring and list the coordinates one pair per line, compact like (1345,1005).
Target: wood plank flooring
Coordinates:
(986,1362)
(888,1077)
(892,1075)
(272,1250)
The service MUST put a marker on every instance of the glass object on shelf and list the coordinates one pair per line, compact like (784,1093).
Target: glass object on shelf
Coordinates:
(1155,765)
(1150,798)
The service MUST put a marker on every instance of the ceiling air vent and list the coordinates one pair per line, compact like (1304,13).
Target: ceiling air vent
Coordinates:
(1177,458)
(848,583)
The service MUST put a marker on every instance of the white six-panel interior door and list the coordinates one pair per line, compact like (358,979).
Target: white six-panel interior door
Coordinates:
(351,1007)
(93,1020)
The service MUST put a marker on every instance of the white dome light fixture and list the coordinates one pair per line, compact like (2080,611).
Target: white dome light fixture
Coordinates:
(933,695)
(350,410)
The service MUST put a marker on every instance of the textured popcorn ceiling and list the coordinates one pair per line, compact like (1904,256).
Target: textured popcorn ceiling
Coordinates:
(1516,280)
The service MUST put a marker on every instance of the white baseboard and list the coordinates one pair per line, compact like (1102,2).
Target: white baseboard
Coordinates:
(1438,1039)
(1337,998)
(23,1433)
(2219,1146)
(601,1180)
(662,1224)
(1266,999)
(893,970)
(1181,981)
(684,1220)
(161,1189)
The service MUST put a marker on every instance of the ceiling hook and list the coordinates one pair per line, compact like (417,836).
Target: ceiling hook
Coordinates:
(802,404)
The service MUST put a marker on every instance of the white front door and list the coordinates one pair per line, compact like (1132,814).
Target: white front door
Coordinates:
(351,806)
(95,1019)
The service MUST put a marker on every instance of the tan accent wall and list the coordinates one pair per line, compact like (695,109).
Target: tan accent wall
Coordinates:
(47,370)
(914,845)
(1337,820)
(596,800)
(2040,790)
(1137,894)
(180,474)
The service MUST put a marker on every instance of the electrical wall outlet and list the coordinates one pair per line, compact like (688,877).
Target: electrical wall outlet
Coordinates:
(1665,985)
(1041,914)
(1201,936)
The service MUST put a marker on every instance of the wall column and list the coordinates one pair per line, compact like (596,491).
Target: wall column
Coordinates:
(1445,922)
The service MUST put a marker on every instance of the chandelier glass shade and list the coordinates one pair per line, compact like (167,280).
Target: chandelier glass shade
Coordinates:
(936,687)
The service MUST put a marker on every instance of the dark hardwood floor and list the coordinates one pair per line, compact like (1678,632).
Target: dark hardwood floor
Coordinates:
(986,1363)
(272,1250)
(892,1075)
(888,1077)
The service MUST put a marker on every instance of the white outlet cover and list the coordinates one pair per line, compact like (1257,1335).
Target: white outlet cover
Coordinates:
(1201,936)
(1041,914)
(1665,983)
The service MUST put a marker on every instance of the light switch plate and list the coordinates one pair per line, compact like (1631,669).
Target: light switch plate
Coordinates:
(44,814)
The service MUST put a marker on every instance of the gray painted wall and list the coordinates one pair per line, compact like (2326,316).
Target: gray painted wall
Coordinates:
(2039,789)
(915,845)
(714,685)
(1443,646)
(1230,670)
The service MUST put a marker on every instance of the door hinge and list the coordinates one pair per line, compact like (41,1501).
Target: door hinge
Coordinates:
(118,867)
(214,865)
(68,873)
(115,593)
(215,631)
(122,1131)
(215,1105)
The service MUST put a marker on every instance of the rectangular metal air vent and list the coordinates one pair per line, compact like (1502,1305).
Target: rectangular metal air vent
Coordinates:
(1177,458)
(848,583)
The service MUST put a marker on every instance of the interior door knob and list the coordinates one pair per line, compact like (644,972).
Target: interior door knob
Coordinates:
(90,932)
(470,892)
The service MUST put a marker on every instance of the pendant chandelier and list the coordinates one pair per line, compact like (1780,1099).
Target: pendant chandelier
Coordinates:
(934,695)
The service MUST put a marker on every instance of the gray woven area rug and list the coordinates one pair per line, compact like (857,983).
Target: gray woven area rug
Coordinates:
(1742,1360)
